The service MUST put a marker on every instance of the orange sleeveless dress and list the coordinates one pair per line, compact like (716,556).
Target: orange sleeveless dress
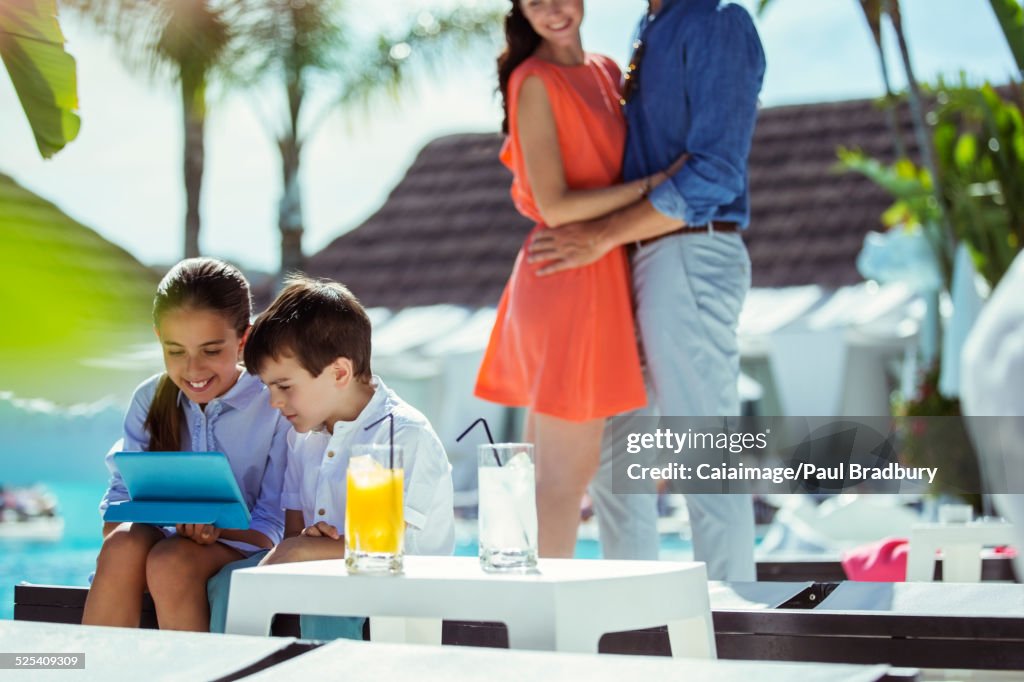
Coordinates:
(565,345)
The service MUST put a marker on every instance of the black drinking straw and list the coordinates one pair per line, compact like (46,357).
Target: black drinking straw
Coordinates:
(489,436)
(391,436)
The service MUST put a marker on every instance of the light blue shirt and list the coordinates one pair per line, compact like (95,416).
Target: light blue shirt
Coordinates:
(241,424)
(697,90)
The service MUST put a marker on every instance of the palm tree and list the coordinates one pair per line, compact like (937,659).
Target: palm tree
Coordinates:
(1010,14)
(873,11)
(304,44)
(188,38)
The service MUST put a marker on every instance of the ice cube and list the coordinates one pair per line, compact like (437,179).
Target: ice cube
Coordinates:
(364,462)
(520,460)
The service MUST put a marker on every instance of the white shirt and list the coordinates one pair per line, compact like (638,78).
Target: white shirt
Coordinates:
(314,480)
(991,378)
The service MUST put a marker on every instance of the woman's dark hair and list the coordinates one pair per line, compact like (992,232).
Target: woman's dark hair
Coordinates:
(520,42)
(196,284)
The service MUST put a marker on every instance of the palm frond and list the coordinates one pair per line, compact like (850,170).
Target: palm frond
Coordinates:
(43,74)
(430,42)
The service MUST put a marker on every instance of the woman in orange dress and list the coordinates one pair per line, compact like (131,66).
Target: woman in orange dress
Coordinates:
(564,345)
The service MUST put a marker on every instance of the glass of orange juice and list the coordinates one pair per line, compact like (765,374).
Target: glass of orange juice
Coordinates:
(374,517)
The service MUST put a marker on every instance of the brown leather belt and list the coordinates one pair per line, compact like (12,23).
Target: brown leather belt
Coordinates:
(717,225)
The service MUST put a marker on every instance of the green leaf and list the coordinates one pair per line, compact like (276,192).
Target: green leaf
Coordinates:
(71,301)
(43,74)
(1011,18)
(898,214)
(966,151)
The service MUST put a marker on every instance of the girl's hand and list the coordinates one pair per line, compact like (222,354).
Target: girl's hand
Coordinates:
(199,533)
(322,529)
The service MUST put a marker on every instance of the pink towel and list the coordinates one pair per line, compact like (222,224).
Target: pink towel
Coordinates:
(884,561)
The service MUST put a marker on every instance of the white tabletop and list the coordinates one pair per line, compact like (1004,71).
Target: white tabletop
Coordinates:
(134,654)
(989,600)
(363,661)
(467,569)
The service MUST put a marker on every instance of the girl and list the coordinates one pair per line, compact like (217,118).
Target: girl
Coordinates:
(565,345)
(203,401)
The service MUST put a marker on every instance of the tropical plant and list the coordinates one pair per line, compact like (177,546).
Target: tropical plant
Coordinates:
(915,206)
(979,139)
(307,45)
(1010,14)
(187,40)
(874,11)
(69,298)
(932,433)
(43,74)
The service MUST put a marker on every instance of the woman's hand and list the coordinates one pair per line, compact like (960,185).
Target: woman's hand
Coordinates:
(661,176)
(677,165)
(199,533)
(321,529)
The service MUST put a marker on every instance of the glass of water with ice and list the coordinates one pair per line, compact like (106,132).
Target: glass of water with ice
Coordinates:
(508,507)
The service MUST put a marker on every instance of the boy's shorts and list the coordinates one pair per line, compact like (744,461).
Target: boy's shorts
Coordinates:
(312,627)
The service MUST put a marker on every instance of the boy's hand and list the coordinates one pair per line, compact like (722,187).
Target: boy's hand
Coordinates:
(199,533)
(321,529)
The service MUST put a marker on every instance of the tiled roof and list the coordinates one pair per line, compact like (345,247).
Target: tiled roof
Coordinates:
(449,233)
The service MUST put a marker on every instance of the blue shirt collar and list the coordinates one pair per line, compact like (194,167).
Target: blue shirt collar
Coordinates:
(692,4)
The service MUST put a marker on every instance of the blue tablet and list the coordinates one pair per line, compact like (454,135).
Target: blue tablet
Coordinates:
(167,488)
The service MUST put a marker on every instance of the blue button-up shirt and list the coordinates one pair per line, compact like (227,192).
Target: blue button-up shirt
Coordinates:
(699,79)
(241,424)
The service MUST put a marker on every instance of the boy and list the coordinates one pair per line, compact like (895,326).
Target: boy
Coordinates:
(311,348)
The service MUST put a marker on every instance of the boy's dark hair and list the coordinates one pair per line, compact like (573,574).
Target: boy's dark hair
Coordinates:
(315,321)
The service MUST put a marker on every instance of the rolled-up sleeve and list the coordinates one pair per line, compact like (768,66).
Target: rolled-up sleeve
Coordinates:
(426,471)
(268,513)
(724,64)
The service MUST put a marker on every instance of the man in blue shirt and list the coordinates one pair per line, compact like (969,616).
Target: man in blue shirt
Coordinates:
(691,88)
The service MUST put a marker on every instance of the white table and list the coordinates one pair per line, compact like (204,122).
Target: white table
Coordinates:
(979,600)
(364,662)
(567,605)
(960,544)
(133,654)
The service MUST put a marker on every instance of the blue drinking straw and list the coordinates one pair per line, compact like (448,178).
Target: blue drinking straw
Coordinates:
(489,436)
(391,436)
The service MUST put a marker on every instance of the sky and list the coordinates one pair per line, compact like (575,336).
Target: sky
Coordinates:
(122,176)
